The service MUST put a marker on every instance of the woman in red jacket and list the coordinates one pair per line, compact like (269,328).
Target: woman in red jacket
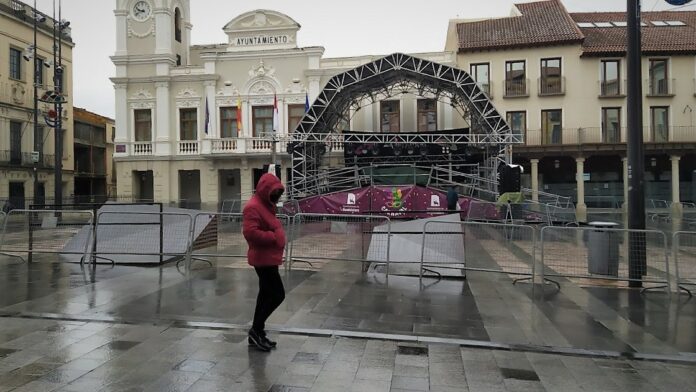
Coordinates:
(266,238)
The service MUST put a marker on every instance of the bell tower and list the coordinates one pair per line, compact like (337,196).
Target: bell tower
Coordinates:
(154,27)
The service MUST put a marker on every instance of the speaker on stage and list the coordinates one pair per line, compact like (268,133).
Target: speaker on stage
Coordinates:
(509,178)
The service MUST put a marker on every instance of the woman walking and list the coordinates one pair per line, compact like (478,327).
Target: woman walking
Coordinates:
(266,238)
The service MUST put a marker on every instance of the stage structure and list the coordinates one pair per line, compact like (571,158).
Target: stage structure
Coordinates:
(488,136)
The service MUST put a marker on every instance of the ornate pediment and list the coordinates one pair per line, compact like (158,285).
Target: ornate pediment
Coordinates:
(261,70)
(188,98)
(262,87)
(142,94)
(261,20)
(187,93)
(262,29)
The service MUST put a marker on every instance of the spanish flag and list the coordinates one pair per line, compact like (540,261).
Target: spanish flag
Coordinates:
(239,117)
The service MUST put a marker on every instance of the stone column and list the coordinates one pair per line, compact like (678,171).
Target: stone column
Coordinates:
(535,179)
(581,207)
(676,202)
(164,27)
(162,120)
(213,129)
(121,121)
(245,178)
(121,32)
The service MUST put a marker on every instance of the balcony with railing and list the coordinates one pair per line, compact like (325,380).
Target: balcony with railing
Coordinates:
(516,88)
(608,136)
(9,158)
(550,86)
(660,87)
(612,88)
(142,148)
(189,147)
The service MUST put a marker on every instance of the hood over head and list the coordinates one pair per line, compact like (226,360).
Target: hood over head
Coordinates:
(267,184)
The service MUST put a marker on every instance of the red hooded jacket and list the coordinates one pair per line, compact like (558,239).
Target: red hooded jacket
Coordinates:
(262,229)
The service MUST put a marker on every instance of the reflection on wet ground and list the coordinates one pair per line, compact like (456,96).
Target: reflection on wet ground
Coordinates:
(484,307)
(132,328)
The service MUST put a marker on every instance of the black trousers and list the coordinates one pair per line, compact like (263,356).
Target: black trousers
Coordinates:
(271,295)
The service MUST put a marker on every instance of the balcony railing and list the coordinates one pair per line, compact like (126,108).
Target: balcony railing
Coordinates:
(225,146)
(189,147)
(516,88)
(24,159)
(549,86)
(661,87)
(598,135)
(142,148)
(612,88)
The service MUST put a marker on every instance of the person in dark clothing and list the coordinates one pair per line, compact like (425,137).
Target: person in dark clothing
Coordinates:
(266,238)
(452,199)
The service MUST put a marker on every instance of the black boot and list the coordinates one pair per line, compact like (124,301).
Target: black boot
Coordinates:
(268,341)
(257,340)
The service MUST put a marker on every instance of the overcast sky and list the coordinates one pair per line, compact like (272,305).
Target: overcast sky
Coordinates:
(343,28)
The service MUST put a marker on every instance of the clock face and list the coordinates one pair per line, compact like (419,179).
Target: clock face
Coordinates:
(141,11)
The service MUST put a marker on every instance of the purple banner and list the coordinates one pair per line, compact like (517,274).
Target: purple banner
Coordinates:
(392,201)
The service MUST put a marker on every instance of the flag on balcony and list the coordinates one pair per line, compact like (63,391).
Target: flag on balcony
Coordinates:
(239,116)
(207,116)
(306,102)
(275,113)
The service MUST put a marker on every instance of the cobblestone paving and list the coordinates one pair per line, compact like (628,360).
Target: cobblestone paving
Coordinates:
(47,355)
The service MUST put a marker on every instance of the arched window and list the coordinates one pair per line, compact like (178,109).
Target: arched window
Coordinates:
(177,25)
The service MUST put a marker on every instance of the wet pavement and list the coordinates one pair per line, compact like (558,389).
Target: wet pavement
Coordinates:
(49,355)
(72,328)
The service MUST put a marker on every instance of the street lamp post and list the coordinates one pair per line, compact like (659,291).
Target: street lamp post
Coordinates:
(38,144)
(635,150)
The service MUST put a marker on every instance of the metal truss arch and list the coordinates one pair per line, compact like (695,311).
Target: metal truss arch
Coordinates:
(382,76)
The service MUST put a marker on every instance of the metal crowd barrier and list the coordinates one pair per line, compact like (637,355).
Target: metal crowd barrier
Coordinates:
(478,246)
(323,237)
(222,236)
(67,233)
(580,253)
(485,211)
(132,235)
(684,250)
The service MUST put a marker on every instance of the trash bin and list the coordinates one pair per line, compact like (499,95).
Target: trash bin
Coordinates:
(603,249)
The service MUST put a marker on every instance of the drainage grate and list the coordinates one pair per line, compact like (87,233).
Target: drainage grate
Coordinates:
(122,345)
(412,350)
(519,374)
(306,358)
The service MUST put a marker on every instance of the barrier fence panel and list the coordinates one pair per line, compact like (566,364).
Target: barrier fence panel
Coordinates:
(220,235)
(142,237)
(478,246)
(484,211)
(684,248)
(561,216)
(340,237)
(584,254)
(530,212)
(47,232)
